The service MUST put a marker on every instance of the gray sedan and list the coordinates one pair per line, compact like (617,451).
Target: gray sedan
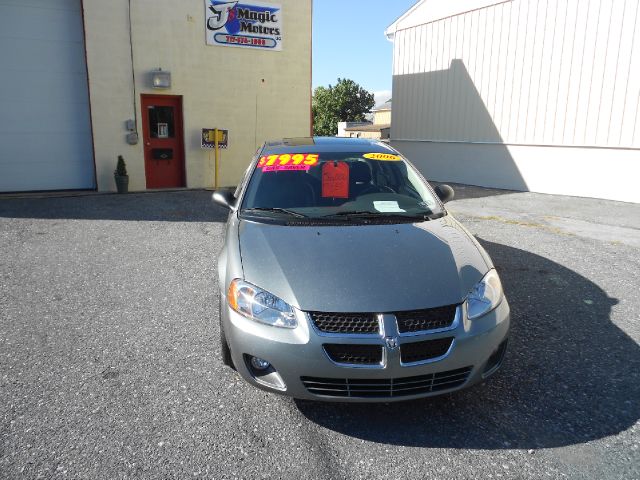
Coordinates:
(344,278)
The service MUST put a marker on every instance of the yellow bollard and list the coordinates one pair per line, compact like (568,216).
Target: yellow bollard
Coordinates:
(217,156)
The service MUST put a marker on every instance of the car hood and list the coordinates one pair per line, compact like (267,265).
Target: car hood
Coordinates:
(363,268)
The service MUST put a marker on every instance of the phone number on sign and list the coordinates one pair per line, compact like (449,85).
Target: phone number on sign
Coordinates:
(246,40)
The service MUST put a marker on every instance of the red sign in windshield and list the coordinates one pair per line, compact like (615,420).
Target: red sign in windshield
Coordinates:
(335,180)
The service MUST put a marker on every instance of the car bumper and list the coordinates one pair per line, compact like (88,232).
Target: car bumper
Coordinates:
(299,362)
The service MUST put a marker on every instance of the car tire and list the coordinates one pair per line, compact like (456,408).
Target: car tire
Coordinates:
(225,351)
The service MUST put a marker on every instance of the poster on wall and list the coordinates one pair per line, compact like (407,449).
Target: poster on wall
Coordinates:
(247,25)
(209,138)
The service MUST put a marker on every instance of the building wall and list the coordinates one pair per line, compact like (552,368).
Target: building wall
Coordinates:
(518,77)
(342,126)
(254,94)
(373,135)
(382,117)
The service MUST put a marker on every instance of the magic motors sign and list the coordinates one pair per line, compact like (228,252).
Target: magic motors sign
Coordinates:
(248,25)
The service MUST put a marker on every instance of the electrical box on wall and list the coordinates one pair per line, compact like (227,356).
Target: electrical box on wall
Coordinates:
(132,138)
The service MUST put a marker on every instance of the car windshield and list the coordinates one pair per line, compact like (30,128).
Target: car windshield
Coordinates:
(337,184)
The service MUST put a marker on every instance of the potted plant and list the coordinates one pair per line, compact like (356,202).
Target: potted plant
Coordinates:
(121,177)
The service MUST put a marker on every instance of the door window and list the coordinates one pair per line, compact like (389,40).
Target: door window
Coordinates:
(161,123)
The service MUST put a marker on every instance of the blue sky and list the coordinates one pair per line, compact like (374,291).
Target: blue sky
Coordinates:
(349,42)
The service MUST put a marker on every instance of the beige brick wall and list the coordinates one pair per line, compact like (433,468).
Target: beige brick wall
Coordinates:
(255,94)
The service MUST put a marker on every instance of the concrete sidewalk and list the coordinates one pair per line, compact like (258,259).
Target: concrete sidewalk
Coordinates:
(604,220)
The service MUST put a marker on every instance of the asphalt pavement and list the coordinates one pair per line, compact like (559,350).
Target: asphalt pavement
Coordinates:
(110,366)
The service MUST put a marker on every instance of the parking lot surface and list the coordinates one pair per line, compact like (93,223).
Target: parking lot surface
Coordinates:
(110,368)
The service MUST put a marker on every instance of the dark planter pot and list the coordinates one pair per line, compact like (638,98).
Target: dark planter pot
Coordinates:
(122,182)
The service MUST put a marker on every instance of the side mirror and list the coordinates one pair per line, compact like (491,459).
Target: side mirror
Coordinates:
(445,192)
(224,198)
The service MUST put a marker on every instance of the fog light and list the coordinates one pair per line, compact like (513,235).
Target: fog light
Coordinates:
(264,373)
(495,360)
(259,363)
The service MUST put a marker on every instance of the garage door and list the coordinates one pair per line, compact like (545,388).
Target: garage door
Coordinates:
(45,134)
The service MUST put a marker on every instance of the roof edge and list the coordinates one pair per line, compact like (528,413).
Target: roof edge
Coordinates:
(439,11)
(391,29)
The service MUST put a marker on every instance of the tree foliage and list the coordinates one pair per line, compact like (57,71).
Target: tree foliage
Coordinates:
(345,102)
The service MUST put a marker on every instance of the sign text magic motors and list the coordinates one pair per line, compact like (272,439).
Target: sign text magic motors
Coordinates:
(248,25)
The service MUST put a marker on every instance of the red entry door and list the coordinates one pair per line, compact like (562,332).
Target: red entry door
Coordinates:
(163,140)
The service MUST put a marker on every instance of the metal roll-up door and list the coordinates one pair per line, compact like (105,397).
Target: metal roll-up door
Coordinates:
(45,128)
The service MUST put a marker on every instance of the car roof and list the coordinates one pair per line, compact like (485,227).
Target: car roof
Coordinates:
(325,144)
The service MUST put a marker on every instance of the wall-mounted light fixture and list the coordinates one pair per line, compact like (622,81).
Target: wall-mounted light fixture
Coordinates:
(160,79)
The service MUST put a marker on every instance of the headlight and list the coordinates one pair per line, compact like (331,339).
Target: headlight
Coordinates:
(259,305)
(485,295)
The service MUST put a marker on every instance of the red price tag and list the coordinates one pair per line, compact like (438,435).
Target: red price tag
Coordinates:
(335,180)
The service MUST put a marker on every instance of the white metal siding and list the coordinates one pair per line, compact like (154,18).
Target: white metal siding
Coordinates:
(45,135)
(545,72)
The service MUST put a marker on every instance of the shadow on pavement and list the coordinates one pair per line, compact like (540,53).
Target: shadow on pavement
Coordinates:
(180,206)
(570,374)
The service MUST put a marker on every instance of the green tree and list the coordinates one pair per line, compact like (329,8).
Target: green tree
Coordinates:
(346,102)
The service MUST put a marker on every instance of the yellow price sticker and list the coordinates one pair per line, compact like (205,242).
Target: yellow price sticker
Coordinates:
(382,156)
(297,161)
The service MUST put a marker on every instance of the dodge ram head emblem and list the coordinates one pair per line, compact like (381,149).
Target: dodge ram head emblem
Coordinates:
(392,342)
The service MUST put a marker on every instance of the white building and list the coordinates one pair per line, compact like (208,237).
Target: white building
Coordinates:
(342,127)
(527,95)
(378,129)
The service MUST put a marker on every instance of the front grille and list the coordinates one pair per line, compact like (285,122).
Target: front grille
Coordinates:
(354,354)
(427,319)
(345,322)
(427,350)
(385,388)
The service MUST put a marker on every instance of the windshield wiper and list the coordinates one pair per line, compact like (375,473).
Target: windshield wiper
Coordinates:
(275,209)
(368,214)
(355,213)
